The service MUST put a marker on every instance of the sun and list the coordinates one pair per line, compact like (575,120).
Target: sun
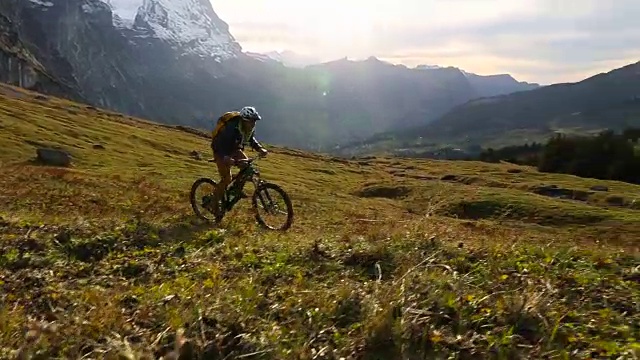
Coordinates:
(335,27)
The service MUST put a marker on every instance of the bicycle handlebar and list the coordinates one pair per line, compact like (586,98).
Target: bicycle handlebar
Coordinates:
(250,160)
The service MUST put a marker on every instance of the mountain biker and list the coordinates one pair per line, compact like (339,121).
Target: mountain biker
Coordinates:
(236,131)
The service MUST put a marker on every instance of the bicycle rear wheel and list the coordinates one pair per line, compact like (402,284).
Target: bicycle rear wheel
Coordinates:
(263,197)
(205,201)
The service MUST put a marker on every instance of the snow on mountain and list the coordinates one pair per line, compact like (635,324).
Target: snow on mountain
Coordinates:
(191,26)
(274,55)
(428,67)
(124,11)
(287,58)
(40,3)
(260,57)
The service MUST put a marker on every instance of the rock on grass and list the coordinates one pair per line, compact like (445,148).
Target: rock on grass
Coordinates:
(53,157)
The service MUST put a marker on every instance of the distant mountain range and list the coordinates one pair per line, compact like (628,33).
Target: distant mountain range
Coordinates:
(605,101)
(485,85)
(176,62)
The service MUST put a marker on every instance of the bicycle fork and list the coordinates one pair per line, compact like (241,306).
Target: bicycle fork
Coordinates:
(268,208)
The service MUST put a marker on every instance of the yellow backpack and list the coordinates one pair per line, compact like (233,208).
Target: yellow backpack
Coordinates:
(222,122)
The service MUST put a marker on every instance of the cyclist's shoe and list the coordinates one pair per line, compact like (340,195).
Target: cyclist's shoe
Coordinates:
(213,205)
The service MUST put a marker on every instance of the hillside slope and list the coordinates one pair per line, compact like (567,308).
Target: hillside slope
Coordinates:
(605,101)
(609,100)
(387,257)
(498,84)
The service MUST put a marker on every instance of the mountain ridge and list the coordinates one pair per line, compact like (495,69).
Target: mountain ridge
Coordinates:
(607,100)
(486,85)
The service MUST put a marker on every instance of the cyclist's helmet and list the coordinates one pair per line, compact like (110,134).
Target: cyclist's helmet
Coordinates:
(250,113)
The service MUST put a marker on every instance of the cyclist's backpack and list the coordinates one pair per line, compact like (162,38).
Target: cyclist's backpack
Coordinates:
(222,121)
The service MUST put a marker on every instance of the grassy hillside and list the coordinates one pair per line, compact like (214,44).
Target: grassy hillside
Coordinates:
(387,258)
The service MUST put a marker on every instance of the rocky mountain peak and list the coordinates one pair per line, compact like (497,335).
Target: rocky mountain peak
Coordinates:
(192,26)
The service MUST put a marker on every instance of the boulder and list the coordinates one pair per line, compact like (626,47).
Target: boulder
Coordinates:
(53,157)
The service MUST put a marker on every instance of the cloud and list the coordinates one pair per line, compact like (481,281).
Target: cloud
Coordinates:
(540,40)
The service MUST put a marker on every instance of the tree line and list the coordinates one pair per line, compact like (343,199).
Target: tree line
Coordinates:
(605,156)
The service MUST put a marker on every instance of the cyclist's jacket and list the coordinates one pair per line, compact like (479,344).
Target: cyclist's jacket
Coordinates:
(229,137)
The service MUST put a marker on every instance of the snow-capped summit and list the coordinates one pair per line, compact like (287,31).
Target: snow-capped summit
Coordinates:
(190,26)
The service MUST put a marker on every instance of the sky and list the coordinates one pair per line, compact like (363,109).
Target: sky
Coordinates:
(543,41)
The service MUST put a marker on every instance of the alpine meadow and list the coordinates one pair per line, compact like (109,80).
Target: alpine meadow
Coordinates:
(497,249)
(387,258)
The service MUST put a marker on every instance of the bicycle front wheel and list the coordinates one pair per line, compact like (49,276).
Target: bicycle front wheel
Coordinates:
(265,198)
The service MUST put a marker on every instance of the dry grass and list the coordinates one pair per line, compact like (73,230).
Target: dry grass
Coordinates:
(385,259)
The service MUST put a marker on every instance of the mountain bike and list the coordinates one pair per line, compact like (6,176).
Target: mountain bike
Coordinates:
(262,196)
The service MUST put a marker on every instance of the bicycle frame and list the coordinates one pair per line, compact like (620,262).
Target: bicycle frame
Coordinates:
(249,172)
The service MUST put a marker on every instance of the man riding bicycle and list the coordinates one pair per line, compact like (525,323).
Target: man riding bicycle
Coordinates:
(234,130)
